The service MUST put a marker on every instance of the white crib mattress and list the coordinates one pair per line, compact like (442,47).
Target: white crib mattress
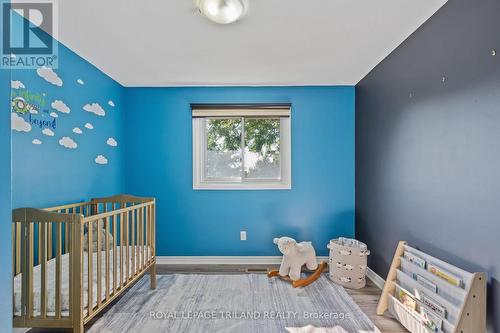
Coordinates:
(51,274)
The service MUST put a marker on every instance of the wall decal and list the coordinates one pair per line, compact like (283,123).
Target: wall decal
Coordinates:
(112,142)
(68,142)
(100,159)
(48,132)
(89,126)
(20,105)
(95,108)
(17,85)
(80,81)
(111,103)
(49,75)
(36,142)
(18,123)
(60,106)
(77,130)
(24,101)
(53,114)
(41,122)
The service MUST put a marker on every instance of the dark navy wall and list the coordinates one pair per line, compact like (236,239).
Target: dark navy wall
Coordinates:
(51,173)
(427,145)
(320,205)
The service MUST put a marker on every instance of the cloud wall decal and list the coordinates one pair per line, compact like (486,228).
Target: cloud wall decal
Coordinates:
(48,132)
(18,123)
(68,142)
(112,142)
(111,103)
(77,130)
(89,126)
(53,114)
(17,84)
(60,106)
(49,75)
(100,159)
(80,81)
(36,142)
(95,108)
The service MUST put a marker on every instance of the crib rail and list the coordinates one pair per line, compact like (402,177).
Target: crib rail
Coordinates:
(116,233)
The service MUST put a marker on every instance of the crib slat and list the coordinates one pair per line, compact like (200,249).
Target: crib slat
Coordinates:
(139,237)
(99,264)
(127,248)
(66,237)
(18,248)
(90,278)
(31,251)
(114,255)
(133,241)
(49,241)
(153,247)
(121,251)
(39,239)
(107,256)
(42,227)
(58,268)
(148,230)
(24,268)
(143,238)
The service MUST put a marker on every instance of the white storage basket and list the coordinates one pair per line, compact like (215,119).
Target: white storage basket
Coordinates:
(348,259)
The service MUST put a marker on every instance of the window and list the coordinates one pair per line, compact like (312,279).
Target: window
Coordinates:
(241,147)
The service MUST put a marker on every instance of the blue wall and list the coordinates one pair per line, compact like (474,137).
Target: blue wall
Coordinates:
(49,173)
(427,151)
(319,207)
(5,204)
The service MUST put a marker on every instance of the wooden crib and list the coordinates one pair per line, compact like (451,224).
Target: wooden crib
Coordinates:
(58,282)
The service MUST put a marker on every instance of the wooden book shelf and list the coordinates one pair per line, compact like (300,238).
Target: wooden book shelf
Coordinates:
(465,305)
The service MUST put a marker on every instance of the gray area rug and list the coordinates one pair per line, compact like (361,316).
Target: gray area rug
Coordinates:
(233,303)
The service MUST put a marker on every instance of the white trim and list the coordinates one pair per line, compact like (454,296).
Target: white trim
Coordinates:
(221,260)
(375,278)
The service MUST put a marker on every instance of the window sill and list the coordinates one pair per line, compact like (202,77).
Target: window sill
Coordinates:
(241,186)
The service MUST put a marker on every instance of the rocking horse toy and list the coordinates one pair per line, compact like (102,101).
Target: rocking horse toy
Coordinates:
(295,255)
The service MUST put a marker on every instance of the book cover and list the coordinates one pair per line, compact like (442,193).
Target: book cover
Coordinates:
(433,305)
(445,275)
(407,300)
(414,259)
(431,320)
(426,283)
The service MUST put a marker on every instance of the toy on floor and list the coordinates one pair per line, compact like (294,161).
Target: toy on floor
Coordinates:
(295,255)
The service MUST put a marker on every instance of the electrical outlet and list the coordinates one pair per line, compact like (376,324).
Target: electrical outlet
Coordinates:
(243,235)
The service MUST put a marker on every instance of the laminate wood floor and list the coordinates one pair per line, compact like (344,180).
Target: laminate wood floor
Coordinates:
(366,298)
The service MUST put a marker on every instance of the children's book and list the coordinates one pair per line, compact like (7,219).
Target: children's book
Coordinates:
(428,284)
(414,259)
(445,275)
(433,305)
(431,320)
(407,300)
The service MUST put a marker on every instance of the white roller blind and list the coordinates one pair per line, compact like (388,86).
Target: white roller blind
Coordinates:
(199,111)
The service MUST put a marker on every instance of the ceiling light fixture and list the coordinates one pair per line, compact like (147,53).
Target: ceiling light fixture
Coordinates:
(222,11)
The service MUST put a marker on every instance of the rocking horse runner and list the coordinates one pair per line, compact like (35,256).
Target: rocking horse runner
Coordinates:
(295,255)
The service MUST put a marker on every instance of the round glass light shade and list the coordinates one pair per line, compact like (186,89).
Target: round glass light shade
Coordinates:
(222,11)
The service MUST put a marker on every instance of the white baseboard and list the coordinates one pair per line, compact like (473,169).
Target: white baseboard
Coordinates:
(222,260)
(375,278)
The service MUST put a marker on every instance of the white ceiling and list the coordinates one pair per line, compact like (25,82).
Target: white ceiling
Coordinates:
(279,42)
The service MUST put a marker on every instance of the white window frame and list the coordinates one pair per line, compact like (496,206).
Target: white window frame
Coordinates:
(199,160)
